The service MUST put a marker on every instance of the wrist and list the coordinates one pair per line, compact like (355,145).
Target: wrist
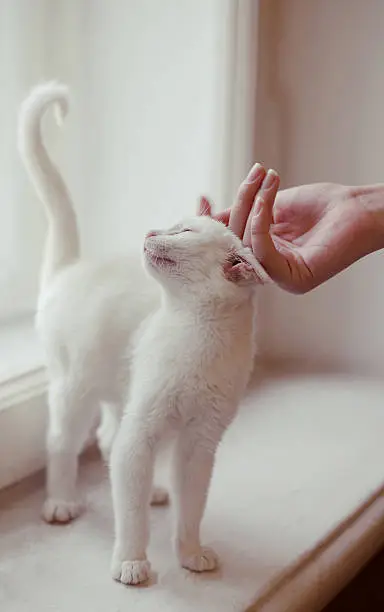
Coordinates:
(370,202)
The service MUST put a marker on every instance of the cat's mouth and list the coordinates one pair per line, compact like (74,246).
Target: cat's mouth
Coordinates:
(158,259)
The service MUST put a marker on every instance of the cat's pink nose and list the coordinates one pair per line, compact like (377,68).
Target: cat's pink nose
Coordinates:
(151,233)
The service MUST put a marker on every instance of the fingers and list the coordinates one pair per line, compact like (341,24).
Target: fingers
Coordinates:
(238,217)
(267,193)
(251,217)
(259,228)
(245,199)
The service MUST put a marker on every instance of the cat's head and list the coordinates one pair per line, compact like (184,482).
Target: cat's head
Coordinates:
(202,256)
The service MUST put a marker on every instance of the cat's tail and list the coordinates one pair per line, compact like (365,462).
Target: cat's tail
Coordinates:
(62,244)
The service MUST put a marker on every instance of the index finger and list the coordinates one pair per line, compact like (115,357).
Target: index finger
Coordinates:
(267,192)
(244,200)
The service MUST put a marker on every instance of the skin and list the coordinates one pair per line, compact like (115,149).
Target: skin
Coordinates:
(305,235)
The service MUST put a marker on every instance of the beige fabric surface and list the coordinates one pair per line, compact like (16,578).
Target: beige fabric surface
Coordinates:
(302,457)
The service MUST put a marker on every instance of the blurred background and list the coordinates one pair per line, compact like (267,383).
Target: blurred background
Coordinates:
(320,89)
(176,98)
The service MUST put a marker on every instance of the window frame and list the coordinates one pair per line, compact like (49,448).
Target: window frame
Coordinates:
(23,406)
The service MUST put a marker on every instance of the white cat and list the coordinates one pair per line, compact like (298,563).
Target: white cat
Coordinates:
(190,366)
(189,360)
(86,315)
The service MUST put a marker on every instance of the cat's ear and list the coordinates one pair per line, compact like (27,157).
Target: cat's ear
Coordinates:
(204,208)
(240,271)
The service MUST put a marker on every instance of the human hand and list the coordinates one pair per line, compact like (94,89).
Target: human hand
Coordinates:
(305,235)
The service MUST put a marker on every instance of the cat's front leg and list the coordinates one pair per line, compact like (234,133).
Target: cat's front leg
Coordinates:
(132,465)
(194,460)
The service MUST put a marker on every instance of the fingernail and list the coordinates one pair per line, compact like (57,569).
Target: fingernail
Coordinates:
(254,173)
(269,179)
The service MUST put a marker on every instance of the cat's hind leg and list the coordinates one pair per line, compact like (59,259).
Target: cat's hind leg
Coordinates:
(111,413)
(71,415)
(160,495)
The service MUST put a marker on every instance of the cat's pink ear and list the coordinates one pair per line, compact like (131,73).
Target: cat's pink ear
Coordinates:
(204,208)
(242,272)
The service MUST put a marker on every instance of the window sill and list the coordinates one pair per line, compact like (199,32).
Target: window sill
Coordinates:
(22,402)
(20,350)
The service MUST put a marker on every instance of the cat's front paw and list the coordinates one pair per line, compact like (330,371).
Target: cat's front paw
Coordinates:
(203,560)
(130,572)
(61,511)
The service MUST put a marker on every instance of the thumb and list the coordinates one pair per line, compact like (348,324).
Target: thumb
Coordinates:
(262,244)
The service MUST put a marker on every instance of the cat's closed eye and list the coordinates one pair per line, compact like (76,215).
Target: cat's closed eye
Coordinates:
(179,229)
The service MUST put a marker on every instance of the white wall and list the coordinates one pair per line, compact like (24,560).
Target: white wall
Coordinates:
(154,93)
(321,119)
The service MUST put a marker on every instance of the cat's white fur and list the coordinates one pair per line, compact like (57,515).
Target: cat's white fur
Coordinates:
(188,362)
(191,363)
(86,315)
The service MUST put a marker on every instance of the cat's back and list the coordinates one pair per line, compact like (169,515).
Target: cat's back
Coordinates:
(91,301)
